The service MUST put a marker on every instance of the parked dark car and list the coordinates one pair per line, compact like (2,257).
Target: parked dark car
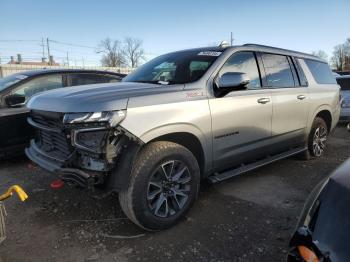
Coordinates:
(323,231)
(344,82)
(16,89)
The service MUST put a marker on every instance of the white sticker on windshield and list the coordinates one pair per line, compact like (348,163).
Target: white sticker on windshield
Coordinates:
(210,53)
(21,77)
(163,82)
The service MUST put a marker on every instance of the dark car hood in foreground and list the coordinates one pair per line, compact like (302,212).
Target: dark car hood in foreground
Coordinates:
(92,98)
(332,228)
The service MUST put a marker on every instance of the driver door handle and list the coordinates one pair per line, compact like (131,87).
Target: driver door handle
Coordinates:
(301,97)
(263,100)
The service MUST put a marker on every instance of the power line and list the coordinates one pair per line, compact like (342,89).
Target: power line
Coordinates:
(80,53)
(20,40)
(70,44)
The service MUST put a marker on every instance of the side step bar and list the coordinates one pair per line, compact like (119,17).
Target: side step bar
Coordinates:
(218,177)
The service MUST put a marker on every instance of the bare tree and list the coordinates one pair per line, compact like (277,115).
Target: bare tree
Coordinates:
(339,57)
(321,54)
(133,51)
(347,45)
(347,55)
(113,54)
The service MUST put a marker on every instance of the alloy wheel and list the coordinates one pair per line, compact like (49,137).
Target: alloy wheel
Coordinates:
(319,141)
(169,188)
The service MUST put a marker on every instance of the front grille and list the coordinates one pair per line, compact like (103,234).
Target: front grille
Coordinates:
(48,119)
(53,141)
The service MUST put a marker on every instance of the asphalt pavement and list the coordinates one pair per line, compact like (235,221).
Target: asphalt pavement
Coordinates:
(247,218)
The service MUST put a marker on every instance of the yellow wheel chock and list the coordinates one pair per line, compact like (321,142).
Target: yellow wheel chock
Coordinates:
(22,196)
(17,189)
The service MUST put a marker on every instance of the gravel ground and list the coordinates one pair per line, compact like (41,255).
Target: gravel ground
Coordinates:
(248,218)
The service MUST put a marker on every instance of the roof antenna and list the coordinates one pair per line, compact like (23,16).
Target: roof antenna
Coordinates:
(224,44)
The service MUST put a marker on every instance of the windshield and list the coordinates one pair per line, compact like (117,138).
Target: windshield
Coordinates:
(10,80)
(175,68)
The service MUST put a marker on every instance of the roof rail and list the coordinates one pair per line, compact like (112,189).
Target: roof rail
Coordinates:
(258,45)
(278,48)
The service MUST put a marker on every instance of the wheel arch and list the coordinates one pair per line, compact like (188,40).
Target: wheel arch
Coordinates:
(186,135)
(327,117)
(188,140)
(324,112)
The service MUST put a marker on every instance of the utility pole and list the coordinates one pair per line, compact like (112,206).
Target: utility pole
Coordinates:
(67,59)
(232,39)
(43,46)
(48,50)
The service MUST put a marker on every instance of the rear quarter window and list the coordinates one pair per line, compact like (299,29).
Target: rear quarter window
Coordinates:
(320,71)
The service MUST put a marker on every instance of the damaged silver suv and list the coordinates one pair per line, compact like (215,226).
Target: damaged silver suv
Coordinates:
(207,113)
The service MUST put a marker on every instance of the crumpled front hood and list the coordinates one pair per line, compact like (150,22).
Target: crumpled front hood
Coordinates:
(91,98)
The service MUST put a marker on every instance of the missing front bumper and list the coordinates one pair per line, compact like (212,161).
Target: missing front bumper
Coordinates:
(70,175)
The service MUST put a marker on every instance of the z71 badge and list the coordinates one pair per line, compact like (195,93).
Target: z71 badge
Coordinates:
(194,94)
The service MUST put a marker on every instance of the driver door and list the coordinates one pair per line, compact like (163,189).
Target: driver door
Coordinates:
(14,130)
(241,120)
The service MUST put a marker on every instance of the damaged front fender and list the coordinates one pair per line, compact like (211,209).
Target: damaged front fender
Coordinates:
(124,154)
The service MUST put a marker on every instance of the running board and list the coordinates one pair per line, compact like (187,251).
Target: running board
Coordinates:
(218,177)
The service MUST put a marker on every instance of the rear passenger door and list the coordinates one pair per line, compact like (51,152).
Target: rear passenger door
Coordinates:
(289,93)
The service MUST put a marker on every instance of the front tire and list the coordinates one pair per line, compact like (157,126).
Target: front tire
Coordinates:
(164,184)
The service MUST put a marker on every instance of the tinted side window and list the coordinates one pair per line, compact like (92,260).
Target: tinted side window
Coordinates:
(197,69)
(344,83)
(278,70)
(39,84)
(85,79)
(321,72)
(112,78)
(244,62)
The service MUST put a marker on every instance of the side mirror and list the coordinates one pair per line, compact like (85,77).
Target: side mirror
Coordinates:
(232,81)
(15,100)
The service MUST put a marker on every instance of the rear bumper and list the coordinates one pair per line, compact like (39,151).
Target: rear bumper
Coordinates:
(58,166)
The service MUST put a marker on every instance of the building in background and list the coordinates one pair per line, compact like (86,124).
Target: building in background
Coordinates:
(43,62)
(18,65)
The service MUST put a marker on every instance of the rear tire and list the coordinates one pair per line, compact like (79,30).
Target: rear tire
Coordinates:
(164,184)
(317,139)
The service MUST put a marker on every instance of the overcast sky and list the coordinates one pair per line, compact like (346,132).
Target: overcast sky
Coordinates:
(166,26)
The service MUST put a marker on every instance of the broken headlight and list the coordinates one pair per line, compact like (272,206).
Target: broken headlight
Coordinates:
(90,139)
(112,118)
(89,130)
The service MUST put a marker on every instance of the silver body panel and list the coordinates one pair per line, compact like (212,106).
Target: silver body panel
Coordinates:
(229,129)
